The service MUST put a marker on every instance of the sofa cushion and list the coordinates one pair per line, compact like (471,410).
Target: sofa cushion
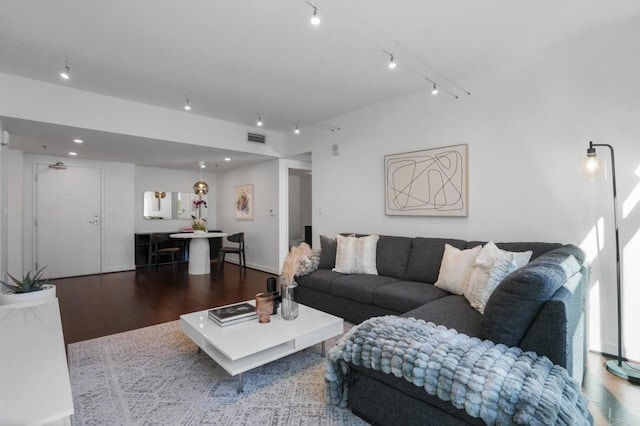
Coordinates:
(451,311)
(393,255)
(425,257)
(489,269)
(537,248)
(327,252)
(516,302)
(455,268)
(403,296)
(358,287)
(356,255)
(319,279)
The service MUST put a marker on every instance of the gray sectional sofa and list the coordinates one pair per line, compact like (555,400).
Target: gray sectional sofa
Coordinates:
(540,308)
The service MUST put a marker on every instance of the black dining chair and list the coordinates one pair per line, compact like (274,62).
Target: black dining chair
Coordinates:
(155,250)
(239,250)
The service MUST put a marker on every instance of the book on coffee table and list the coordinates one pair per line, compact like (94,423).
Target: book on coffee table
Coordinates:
(235,321)
(233,312)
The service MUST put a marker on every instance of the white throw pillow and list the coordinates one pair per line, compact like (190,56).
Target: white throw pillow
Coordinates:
(356,255)
(455,268)
(489,269)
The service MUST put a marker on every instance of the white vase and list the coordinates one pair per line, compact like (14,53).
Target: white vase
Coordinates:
(8,297)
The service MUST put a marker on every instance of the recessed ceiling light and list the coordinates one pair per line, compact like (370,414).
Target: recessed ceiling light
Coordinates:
(78,140)
(227,159)
(73,153)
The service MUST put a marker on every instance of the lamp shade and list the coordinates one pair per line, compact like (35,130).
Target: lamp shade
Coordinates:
(200,188)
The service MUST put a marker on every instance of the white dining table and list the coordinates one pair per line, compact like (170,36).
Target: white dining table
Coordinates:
(199,252)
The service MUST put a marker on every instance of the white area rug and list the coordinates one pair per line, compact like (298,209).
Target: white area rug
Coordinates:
(154,376)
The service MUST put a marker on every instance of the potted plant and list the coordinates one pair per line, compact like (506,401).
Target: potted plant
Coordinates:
(30,288)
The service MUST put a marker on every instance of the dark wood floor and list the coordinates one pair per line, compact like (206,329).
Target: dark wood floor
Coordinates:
(99,305)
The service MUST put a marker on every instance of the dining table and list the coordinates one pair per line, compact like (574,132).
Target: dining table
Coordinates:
(199,251)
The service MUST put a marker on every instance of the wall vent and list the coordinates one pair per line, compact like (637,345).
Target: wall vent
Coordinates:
(255,137)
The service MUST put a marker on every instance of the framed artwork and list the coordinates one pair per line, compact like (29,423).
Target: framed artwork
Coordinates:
(243,196)
(432,182)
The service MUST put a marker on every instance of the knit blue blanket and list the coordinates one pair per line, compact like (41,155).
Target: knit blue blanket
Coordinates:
(501,385)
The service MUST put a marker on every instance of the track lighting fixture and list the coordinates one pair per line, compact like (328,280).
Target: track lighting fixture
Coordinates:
(297,130)
(259,123)
(66,72)
(187,105)
(315,19)
(435,89)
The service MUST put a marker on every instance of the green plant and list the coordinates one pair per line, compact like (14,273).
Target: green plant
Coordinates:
(28,283)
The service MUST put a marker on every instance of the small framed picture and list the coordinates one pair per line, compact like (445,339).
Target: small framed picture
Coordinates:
(243,198)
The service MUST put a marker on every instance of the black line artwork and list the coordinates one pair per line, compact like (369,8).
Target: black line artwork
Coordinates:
(432,182)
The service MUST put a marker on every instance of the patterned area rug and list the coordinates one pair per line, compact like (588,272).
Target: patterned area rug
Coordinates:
(155,376)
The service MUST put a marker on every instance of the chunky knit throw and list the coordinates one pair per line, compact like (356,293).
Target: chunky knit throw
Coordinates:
(501,385)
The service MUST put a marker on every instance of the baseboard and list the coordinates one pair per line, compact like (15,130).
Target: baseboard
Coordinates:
(121,268)
(257,267)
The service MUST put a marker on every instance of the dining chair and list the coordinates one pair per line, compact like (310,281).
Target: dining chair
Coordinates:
(239,250)
(155,250)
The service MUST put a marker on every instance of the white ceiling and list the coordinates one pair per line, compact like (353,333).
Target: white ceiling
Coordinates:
(241,58)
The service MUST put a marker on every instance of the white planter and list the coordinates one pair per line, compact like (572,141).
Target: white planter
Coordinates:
(8,297)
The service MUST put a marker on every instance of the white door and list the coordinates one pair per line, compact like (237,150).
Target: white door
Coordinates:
(68,220)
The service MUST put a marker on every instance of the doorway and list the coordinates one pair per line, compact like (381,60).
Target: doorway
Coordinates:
(299,207)
(68,226)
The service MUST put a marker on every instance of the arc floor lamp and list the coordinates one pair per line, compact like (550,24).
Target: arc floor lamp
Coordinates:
(619,367)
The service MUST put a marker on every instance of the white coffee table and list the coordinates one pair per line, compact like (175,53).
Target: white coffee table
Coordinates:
(241,347)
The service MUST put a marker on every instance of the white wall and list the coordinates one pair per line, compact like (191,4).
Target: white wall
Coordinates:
(155,179)
(261,233)
(15,236)
(118,211)
(295,227)
(527,126)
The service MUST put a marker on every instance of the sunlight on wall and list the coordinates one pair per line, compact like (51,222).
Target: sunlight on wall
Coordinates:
(594,241)
(632,199)
(595,336)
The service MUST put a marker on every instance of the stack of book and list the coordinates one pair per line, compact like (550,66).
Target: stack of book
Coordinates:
(233,314)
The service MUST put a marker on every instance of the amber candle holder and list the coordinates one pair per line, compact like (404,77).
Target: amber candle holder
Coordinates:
(264,306)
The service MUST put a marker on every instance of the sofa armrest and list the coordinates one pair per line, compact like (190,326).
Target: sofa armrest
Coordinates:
(559,329)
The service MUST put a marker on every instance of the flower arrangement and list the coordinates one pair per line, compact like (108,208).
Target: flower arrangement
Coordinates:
(198,224)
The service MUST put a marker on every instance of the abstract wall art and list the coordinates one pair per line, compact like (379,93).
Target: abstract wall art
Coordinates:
(243,204)
(432,182)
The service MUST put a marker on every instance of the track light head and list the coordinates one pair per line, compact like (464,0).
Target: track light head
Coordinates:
(187,107)
(435,89)
(392,64)
(259,123)
(66,74)
(315,19)
(297,130)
